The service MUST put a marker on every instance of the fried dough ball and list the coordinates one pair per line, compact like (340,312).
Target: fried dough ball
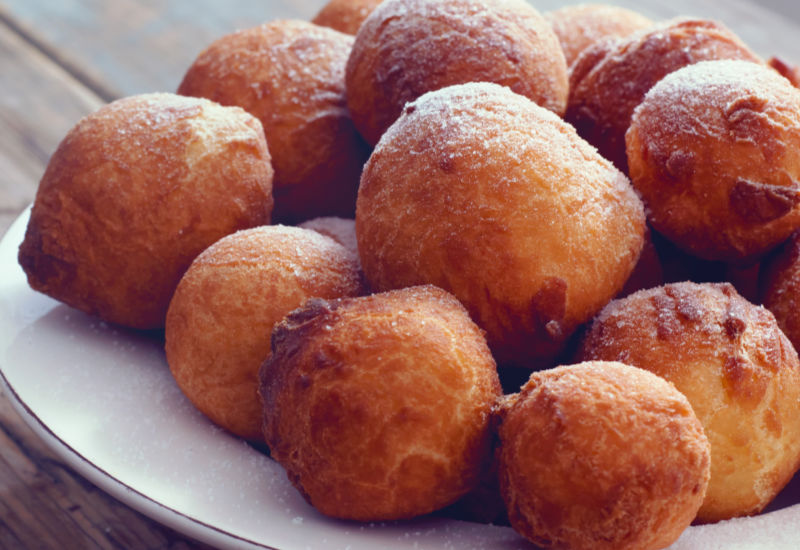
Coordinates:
(379,407)
(290,75)
(133,193)
(780,287)
(220,320)
(611,78)
(408,47)
(714,151)
(580,26)
(601,455)
(736,367)
(345,15)
(480,191)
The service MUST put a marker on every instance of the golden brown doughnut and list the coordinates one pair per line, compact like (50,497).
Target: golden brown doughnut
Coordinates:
(480,191)
(601,455)
(736,367)
(616,75)
(133,193)
(220,320)
(379,407)
(714,152)
(345,15)
(408,47)
(580,26)
(780,287)
(290,75)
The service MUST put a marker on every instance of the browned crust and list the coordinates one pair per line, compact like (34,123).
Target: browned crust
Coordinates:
(787,70)
(408,47)
(713,151)
(290,75)
(601,455)
(780,286)
(379,407)
(341,230)
(580,26)
(133,193)
(345,15)
(475,211)
(602,101)
(221,316)
(735,366)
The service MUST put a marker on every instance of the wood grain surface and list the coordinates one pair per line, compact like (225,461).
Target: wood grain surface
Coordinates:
(62,60)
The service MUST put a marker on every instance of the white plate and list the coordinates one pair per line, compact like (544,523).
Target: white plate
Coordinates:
(103,399)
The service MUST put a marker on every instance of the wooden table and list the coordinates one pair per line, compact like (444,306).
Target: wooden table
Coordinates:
(62,60)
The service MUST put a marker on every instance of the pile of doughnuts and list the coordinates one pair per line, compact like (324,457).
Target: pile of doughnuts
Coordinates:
(501,286)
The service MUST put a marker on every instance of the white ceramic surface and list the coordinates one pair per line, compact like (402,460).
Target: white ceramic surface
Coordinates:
(103,399)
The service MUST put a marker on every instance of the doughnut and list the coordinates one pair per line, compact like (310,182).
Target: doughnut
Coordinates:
(579,26)
(611,81)
(290,75)
(601,455)
(481,192)
(408,47)
(736,368)
(221,316)
(714,152)
(379,407)
(779,286)
(345,15)
(133,193)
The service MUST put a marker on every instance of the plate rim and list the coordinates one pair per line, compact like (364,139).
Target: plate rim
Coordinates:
(154,510)
(116,488)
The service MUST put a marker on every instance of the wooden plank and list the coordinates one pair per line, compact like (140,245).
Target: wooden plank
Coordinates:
(147,45)
(54,72)
(44,503)
(32,124)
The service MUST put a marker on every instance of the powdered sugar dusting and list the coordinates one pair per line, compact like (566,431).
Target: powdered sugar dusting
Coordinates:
(602,101)
(700,93)
(713,150)
(496,188)
(305,256)
(408,47)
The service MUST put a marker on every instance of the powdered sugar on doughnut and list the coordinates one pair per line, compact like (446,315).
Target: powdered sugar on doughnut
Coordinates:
(408,47)
(480,191)
(714,150)
(602,101)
